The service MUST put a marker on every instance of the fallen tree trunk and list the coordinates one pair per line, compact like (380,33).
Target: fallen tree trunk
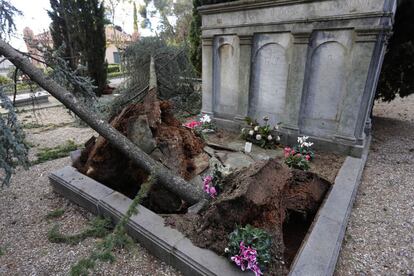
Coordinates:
(169,180)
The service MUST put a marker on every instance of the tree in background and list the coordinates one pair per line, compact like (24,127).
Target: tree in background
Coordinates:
(135,18)
(92,40)
(195,32)
(166,10)
(195,38)
(397,76)
(78,26)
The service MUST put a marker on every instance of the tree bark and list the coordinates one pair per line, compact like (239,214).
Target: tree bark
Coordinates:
(172,182)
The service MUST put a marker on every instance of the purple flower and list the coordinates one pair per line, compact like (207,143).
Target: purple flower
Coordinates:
(213,192)
(247,258)
(256,270)
(237,259)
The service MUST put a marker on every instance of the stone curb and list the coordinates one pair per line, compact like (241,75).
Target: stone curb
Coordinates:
(146,227)
(320,250)
(318,254)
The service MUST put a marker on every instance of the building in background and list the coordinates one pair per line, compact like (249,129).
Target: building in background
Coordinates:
(116,42)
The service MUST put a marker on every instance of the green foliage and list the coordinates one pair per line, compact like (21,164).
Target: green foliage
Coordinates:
(163,10)
(195,38)
(7,13)
(2,251)
(117,239)
(175,75)
(113,68)
(55,214)
(4,80)
(297,161)
(256,238)
(13,150)
(98,228)
(135,14)
(78,27)
(47,154)
(115,75)
(397,76)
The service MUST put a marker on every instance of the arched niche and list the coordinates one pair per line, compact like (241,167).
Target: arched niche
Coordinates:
(269,82)
(226,77)
(325,89)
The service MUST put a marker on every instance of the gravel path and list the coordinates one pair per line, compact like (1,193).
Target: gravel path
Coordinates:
(24,247)
(379,239)
(380,235)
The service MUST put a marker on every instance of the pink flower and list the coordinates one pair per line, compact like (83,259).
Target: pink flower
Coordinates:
(287,152)
(207,180)
(307,157)
(256,270)
(237,259)
(193,124)
(213,192)
(292,152)
(247,259)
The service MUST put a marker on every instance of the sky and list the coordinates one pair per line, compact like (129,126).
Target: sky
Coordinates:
(35,17)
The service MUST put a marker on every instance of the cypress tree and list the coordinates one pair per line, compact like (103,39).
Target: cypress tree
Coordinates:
(135,19)
(195,38)
(80,26)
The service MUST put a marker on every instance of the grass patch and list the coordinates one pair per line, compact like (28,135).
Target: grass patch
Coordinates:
(55,214)
(46,154)
(115,75)
(98,228)
(2,251)
(117,239)
(32,125)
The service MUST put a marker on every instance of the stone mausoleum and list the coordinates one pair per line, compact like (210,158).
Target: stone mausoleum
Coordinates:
(312,65)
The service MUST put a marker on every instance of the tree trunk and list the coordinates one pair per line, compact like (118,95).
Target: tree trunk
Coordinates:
(172,182)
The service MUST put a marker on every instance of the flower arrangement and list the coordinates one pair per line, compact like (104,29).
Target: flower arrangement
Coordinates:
(204,123)
(249,248)
(304,147)
(300,156)
(260,135)
(212,184)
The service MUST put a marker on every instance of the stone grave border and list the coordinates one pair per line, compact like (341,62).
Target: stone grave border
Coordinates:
(317,256)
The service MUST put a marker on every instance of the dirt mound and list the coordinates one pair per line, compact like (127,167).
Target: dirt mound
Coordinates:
(152,127)
(262,195)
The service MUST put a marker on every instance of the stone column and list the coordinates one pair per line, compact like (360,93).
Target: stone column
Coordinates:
(207,75)
(296,82)
(367,55)
(244,77)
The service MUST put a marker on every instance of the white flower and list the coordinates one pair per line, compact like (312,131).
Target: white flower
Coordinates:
(205,119)
(256,128)
(269,137)
(251,132)
(277,127)
(302,140)
(258,137)
(306,144)
(226,250)
(243,130)
(278,138)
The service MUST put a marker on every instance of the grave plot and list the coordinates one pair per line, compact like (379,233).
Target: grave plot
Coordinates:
(255,188)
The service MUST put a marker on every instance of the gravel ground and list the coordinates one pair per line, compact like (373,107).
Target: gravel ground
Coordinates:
(379,239)
(380,235)
(25,204)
